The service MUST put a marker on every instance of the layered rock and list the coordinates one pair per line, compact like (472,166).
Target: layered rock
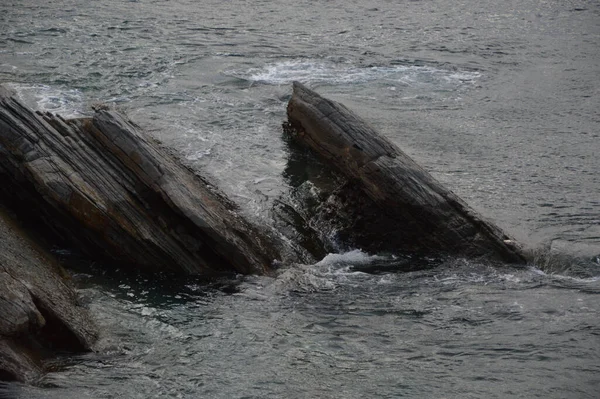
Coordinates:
(104,187)
(39,311)
(389,202)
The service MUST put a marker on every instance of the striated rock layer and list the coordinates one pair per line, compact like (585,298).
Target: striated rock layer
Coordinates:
(39,312)
(100,184)
(390,203)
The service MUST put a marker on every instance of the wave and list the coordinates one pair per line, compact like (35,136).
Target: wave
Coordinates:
(353,257)
(358,268)
(68,103)
(312,72)
(568,260)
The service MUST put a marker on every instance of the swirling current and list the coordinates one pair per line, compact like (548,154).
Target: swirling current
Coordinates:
(498,100)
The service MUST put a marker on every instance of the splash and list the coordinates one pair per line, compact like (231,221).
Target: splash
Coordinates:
(354,257)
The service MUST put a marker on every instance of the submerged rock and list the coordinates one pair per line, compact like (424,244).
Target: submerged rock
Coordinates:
(39,312)
(388,202)
(104,187)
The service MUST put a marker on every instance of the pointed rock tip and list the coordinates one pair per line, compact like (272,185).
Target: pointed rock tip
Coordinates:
(298,86)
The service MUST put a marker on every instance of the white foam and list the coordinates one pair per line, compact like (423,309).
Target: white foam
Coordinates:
(68,103)
(354,257)
(197,155)
(312,71)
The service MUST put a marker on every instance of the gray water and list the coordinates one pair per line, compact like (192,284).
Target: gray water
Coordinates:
(499,100)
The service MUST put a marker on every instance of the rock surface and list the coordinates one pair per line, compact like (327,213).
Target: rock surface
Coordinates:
(104,187)
(390,203)
(39,312)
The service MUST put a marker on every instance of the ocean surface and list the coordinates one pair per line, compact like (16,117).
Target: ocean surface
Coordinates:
(499,100)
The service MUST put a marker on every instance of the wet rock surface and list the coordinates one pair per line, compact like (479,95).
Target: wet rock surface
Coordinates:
(40,313)
(388,202)
(104,187)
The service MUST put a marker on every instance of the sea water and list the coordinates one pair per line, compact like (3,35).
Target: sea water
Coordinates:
(498,100)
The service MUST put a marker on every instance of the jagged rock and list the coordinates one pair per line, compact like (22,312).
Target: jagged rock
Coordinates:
(389,202)
(39,312)
(104,187)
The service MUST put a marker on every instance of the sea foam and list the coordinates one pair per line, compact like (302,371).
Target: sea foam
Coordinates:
(68,103)
(316,71)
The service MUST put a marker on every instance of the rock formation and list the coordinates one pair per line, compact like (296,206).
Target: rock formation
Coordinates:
(100,185)
(39,312)
(104,187)
(389,202)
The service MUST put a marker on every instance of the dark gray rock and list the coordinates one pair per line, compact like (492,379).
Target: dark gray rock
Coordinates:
(389,202)
(102,185)
(39,311)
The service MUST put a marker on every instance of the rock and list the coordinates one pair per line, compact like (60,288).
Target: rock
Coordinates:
(389,202)
(104,187)
(39,311)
